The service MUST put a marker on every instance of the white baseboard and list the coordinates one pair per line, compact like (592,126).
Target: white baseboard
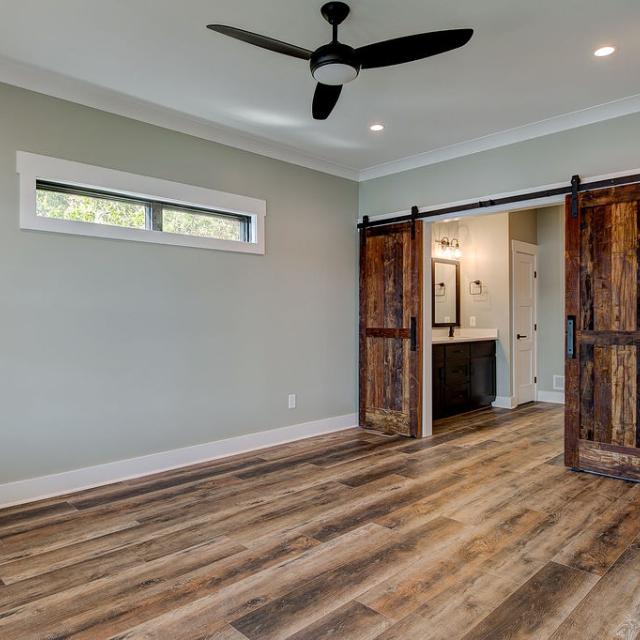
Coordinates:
(32,489)
(556,397)
(504,402)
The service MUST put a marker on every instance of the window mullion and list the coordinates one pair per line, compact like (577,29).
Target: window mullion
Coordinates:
(156,216)
(148,217)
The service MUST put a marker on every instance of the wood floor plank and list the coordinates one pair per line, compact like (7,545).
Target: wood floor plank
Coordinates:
(100,608)
(135,609)
(221,593)
(522,559)
(48,580)
(597,547)
(451,613)
(490,500)
(611,610)
(175,478)
(35,515)
(47,583)
(398,464)
(425,579)
(50,537)
(177,631)
(354,515)
(478,531)
(290,613)
(537,608)
(174,536)
(353,621)
(444,501)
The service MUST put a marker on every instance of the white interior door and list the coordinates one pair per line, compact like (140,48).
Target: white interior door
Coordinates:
(524,321)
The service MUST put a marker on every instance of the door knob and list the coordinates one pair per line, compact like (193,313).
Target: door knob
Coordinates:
(520,337)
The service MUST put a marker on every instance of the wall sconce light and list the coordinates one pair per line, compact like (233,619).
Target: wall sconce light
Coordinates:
(449,248)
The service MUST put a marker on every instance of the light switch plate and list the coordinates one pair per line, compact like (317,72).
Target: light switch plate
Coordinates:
(292,401)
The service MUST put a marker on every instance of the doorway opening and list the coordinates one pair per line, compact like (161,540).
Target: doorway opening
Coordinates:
(508,335)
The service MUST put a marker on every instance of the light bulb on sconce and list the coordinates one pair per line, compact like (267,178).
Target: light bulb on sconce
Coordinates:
(449,248)
(443,247)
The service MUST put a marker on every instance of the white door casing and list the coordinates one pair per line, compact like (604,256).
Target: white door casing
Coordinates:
(523,287)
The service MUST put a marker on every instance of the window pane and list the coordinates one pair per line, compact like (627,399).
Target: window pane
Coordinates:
(206,225)
(81,208)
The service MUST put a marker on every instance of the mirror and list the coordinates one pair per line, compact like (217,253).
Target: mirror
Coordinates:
(445,294)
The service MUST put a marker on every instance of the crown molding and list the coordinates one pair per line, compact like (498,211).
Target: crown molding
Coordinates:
(556,124)
(66,88)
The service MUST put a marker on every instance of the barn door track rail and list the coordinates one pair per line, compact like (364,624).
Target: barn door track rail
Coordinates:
(573,189)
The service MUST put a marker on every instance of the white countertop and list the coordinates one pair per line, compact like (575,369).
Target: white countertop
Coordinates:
(441,336)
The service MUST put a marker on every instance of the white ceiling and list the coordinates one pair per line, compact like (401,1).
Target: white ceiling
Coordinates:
(528,61)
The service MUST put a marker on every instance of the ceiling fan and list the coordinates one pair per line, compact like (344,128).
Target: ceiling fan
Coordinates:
(335,64)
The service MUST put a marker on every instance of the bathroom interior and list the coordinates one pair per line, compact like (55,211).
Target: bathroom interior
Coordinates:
(497,296)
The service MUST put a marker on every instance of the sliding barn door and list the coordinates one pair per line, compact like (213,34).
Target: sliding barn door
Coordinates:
(603,333)
(391,328)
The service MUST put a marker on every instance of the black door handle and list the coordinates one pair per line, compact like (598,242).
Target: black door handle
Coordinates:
(520,337)
(414,334)
(571,337)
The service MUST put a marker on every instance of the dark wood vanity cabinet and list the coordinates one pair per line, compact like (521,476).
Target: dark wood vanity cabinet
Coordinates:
(464,377)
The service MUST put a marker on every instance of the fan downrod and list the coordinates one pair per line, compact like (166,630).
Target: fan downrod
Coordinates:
(335,12)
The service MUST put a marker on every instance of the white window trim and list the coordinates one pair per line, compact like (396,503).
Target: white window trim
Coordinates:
(32,167)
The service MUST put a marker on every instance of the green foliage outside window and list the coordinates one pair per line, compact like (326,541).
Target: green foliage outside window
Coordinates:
(99,210)
(195,224)
(80,208)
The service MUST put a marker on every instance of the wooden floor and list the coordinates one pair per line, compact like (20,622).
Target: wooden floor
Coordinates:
(476,533)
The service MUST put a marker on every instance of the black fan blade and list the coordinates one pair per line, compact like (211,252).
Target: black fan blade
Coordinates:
(325,99)
(410,48)
(262,41)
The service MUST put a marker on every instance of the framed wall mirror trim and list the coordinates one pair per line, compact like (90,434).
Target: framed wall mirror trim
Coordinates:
(445,292)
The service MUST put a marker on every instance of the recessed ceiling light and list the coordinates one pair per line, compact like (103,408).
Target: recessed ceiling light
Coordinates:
(377,127)
(604,51)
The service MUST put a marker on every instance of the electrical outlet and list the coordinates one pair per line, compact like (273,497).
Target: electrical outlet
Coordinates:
(472,321)
(292,401)
(558,383)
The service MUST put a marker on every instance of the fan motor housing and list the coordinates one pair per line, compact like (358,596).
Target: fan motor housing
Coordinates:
(335,12)
(335,64)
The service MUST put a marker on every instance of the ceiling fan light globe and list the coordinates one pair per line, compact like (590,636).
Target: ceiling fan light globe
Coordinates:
(335,73)
(335,64)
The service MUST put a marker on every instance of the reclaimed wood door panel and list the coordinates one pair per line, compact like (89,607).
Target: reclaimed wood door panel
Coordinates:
(602,296)
(391,328)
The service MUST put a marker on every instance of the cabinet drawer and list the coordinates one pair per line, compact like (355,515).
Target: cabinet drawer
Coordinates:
(483,349)
(457,396)
(438,355)
(457,353)
(456,374)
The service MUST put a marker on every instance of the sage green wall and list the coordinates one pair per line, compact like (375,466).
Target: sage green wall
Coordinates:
(550,296)
(591,150)
(112,349)
(523,226)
